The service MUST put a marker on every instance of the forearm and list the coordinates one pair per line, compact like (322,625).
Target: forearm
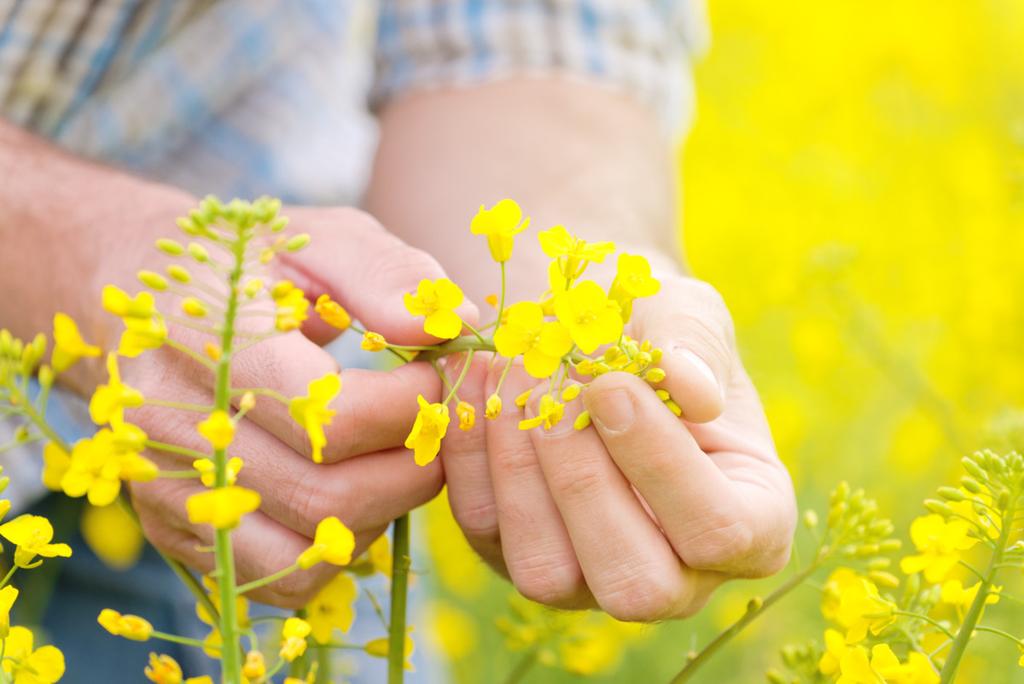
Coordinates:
(66,227)
(568,152)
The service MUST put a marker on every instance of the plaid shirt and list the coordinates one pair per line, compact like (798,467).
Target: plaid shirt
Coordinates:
(244,97)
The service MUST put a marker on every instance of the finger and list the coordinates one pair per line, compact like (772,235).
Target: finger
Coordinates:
(375,409)
(689,322)
(713,522)
(467,473)
(364,267)
(628,565)
(534,542)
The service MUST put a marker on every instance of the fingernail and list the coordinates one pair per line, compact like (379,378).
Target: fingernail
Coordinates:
(704,369)
(612,409)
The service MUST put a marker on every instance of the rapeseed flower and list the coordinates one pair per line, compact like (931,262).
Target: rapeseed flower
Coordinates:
(572,254)
(8,595)
(68,345)
(541,343)
(109,401)
(144,326)
(466,413)
(130,627)
(291,306)
(208,470)
(222,507)
(939,544)
(25,664)
(293,638)
(31,535)
(590,317)
(163,669)
(436,301)
(332,313)
(500,224)
(311,411)
(549,413)
(333,608)
(632,281)
(428,431)
(333,543)
(218,429)
(99,464)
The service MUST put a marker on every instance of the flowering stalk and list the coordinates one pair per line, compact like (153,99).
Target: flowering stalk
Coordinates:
(970,621)
(232,670)
(400,562)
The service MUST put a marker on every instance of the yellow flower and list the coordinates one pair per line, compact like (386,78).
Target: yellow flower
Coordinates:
(213,591)
(590,317)
(939,544)
(293,638)
(109,401)
(501,223)
(467,415)
(437,300)
(632,281)
(333,543)
(208,470)
(549,413)
(8,595)
(954,593)
(130,627)
(332,313)
(572,254)
(68,345)
(428,431)
(373,342)
(144,326)
(333,608)
(917,670)
(222,507)
(99,464)
(856,668)
(835,649)
(311,411)
(44,665)
(861,609)
(379,648)
(493,407)
(32,534)
(218,429)
(542,343)
(56,462)
(113,535)
(292,307)
(255,665)
(163,669)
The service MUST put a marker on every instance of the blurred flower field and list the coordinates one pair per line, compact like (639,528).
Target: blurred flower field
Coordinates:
(854,186)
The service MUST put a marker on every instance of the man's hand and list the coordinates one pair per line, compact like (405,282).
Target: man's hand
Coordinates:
(368,477)
(644,514)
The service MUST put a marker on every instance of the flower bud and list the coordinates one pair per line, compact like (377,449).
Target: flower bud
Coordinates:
(755,604)
(571,392)
(193,307)
(970,484)
(939,507)
(951,494)
(467,415)
(521,400)
(212,351)
(297,242)
(886,580)
(179,273)
(252,287)
(654,375)
(973,468)
(493,408)
(374,342)
(582,420)
(170,247)
(198,252)
(153,281)
(810,519)
(45,376)
(247,402)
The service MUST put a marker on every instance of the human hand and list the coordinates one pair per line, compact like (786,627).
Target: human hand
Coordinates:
(367,479)
(644,514)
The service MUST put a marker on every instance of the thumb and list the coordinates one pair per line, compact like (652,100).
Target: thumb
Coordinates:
(365,268)
(689,322)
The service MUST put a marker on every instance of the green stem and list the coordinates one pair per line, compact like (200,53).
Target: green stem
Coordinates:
(269,579)
(501,298)
(999,632)
(8,576)
(175,449)
(231,671)
(749,616)
(457,346)
(970,621)
(399,593)
(193,586)
(462,377)
(175,639)
(934,623)
(30,412)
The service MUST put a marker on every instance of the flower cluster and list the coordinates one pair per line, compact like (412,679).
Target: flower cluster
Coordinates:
(572,332)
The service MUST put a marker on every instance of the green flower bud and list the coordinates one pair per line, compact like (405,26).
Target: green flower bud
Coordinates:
(170,247)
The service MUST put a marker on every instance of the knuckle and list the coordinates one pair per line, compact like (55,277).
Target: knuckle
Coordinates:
(640,595)
(725,542)
(576,482)
(551,581)
(479,520)
(514,462)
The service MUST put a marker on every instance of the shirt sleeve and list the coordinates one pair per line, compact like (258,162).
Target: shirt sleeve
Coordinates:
(641,47)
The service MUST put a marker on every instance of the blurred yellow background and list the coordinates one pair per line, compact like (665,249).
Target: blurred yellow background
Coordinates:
(854,185)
